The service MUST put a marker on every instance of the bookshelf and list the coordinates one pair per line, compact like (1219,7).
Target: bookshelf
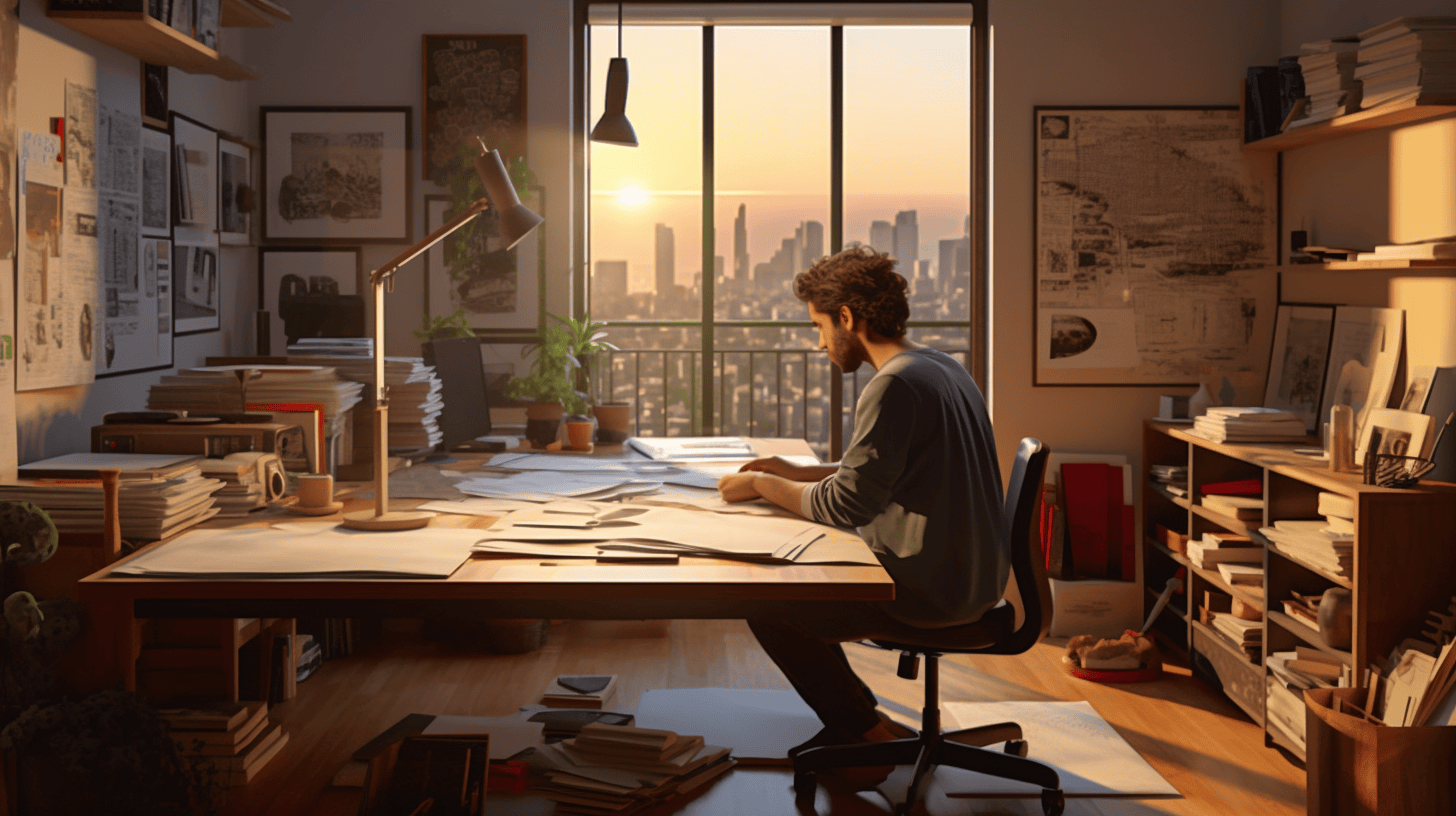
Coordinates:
(1403,560)
(151,41)
(1384,116)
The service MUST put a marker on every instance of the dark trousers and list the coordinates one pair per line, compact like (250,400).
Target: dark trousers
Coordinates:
(807,650)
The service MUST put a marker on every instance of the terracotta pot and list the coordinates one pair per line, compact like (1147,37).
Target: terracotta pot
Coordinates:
(614,421)
(579,434)
(543,423)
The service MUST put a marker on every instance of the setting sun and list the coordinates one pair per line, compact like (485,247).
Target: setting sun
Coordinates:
(633,196)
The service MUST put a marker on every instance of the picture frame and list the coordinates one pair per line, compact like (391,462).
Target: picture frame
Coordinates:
(474,87)
(1365,351)
(285,273)
(236,194)
(137,329)
(196,290)
(308,199)
(510,306)
(154,95)
(156,194)
(1393,431)
(1154,238)
(1418,388)
(194,181)
(1298,359)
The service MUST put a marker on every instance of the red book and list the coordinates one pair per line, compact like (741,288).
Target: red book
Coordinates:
(1237,487)
(1091,525)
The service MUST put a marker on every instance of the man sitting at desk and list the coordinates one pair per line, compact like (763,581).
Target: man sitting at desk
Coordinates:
(919,481)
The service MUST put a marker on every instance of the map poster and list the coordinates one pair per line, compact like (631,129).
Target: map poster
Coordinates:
(475,88)
(1154,238)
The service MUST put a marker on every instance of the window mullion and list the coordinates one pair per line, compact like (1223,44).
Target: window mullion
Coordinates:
(707,370)
(836,218)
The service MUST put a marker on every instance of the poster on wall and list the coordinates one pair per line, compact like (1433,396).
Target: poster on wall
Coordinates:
(336,175)
(294,284)
(475,89)
(196,293)
(1153,234)
(194,180)
(156,202)
(498,289)
(235,194)
(137,333)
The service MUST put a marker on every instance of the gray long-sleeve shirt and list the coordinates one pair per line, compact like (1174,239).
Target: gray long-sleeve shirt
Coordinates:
(921,484)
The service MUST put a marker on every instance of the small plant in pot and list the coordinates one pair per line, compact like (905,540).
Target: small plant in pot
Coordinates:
(556,373)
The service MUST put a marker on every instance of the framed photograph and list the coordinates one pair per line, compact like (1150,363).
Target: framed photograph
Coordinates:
(194,180)
(336,175)
(301,288)
(236,196)
(154,95)
(1154,238)
(1298,360)
(1392,431)
(156,183)
(1365,350)
(1418,388)
(474,87)
(196,293)
(136,325)
(500,290)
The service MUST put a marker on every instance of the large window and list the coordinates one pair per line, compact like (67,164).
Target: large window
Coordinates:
(765,144)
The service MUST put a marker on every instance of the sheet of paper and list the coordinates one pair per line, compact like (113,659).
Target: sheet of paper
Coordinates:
(307,550)
(508,735)
(543,485)
(477,507)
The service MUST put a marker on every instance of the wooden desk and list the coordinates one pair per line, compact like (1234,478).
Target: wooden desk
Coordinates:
(486,586)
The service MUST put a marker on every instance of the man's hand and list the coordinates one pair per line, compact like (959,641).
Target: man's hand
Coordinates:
(779,466)
(738,487)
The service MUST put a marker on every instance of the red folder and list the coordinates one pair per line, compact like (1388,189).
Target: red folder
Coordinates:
(1092,525)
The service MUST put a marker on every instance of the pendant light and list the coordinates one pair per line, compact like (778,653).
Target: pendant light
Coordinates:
(613,127)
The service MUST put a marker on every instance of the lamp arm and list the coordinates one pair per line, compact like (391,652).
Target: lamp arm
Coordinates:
(383,273)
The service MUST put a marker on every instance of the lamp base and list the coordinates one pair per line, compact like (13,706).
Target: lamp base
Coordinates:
(394,520)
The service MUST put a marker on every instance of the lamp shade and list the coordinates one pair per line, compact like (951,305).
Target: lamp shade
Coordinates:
(516,220)
(613,127)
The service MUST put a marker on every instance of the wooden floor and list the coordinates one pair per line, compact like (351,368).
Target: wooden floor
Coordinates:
(1193,736)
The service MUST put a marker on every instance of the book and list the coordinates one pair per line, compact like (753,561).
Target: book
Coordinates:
(89,466)
(1410,43)
(227,717)
(1241,573)
(1335,504)
(1240,507)
(692,447)
(1427,250)
(579,691)
(1236,487)
(219,743)
(249,754)
(1403,26)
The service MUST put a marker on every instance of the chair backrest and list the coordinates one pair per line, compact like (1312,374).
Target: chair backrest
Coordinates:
(1023,525)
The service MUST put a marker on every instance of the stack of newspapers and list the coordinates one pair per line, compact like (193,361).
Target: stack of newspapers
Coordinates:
(1250,424)
(415,392)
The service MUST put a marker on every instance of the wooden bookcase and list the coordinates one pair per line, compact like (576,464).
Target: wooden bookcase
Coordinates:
(1404,559)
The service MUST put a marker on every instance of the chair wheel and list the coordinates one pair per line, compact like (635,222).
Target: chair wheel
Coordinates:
(1052,802)
(1017,747)
(805,785)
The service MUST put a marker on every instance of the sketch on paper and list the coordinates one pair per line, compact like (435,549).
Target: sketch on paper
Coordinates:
(80,136)
(154,94)
(1152,234)
(118,250)
(1365,349)
(137,326)
(119,161)
(156,183)
(195,289)
(337,176)
(194,179)
(1297,362)
(475,86)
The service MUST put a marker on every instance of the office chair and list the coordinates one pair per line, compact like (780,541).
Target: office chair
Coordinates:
(994,633)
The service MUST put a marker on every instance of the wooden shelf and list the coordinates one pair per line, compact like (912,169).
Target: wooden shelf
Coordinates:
(149,40)
(1310,637)
(1385,116)
(1225,521)
(242,14)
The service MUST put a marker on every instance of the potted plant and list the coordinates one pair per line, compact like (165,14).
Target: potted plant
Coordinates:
(445,327)
(559,378)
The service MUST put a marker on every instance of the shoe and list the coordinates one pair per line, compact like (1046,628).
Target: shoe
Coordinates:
(854,780)
(826,736)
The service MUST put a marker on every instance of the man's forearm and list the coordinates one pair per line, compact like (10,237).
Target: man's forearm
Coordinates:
(783,492)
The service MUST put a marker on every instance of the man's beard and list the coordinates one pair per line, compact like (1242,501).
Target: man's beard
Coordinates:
(846,350)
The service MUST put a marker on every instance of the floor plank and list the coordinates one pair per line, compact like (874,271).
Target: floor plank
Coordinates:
(1193,736)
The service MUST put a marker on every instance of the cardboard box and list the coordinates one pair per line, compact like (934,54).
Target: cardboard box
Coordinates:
(1358,768)
(1095,607)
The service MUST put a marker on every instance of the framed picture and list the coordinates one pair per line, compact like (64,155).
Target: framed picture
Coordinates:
(302,287)
(236,196)
(1418,388)
(1298,360)
(500,290)
(194,180)
(156,183)
(1394,432)
(474,88)
(336,175)
(136,324)
(1365,350)
(1154,234)
(154,95)
(196,293)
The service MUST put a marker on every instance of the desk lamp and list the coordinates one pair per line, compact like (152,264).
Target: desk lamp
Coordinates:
(516,222)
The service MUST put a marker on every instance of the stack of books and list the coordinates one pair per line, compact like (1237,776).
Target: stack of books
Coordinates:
(1250,424)
(1408,60)
(241,492)
(1310,541)
(1221,548)
(1339,512)
(1421,251)
(1243,508)
(1173,477)
(160,494)
(622,769)
(234,741)
(579,691)
(229,389)
(415,393)
(1307,667)
(1330,86)
(1248,635)
(1244,574)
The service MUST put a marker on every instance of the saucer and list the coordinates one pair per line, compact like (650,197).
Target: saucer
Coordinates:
(321,510)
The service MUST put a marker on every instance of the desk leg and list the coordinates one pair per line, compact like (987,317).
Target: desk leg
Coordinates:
(110,647)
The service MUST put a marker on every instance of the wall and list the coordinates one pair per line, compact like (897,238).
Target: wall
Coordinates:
(367,52)
(58,421)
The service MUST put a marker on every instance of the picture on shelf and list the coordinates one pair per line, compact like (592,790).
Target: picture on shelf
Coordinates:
(1394,432)
(1298,360)
(1365,349)
(1418,388)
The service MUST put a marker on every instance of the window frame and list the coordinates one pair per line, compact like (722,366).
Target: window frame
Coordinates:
(976,323)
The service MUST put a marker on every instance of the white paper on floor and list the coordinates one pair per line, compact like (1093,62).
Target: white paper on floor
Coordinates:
(1091,758)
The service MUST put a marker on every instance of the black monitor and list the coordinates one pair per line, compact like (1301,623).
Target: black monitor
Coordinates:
(457,363)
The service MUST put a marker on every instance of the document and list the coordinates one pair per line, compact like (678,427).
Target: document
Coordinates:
(547,485)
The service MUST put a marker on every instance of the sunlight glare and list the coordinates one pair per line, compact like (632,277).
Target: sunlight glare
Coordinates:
(633,196)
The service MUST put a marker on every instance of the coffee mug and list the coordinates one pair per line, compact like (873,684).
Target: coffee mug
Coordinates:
(315,489)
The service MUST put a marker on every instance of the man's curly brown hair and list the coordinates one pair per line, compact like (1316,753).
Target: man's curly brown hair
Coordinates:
(866,282)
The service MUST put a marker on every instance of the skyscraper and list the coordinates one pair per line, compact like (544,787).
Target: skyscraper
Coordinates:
(955,263)
(906,242)
(666,272)
(882,236)
(740,244)
(810,235)
(610,280)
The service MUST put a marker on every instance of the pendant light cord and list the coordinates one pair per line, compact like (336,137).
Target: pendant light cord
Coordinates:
(619,30)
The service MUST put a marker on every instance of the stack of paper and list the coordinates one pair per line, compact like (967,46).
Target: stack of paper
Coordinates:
(1174,477)
(1284,707)
(414,394)
(241,489)
(1306,667)
(1329,81)
(620,769)
(355,347)
(1219,548)
(1310,541)
(214,389)
(1249,424)
(1248,635)
(1408,59)
(1244,508)
(159,494)
(1420,251)
(1339,512)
